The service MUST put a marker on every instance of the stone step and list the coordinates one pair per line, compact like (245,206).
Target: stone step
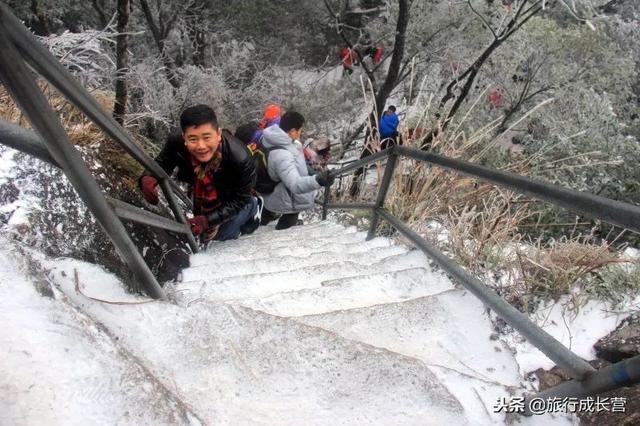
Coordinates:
(346,236)
(319,229)
(263,285)
(416,328)
(233,365)
(300,249)
(284,263)
(350,293)
(413,328)
(271,227)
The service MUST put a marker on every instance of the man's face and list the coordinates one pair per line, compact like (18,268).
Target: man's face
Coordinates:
(295,134)
(202,141)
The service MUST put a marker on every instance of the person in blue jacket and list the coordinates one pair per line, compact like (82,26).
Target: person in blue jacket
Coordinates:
(389,127)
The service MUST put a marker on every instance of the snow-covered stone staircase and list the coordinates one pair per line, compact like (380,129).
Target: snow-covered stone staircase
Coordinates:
(311,325)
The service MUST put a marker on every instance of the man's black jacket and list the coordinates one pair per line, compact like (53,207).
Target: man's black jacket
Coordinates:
(234,179)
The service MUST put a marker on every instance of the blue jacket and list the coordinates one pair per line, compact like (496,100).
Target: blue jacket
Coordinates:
(388,124)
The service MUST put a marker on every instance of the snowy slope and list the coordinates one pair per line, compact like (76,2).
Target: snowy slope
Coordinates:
(312,325)
(58,367)
(307,338)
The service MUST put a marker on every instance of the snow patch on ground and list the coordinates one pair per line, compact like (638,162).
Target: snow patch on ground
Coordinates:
(578,331)
(21,208)
(7,163)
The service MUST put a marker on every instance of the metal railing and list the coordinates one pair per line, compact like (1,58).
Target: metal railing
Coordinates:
(587,380)
(18,47)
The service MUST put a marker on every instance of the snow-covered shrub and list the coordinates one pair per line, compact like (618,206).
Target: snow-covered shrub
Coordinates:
(617,283)
(86,55)
(586,148)
(155,105)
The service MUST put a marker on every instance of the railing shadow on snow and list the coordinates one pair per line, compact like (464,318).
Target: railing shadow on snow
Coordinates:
(587,380)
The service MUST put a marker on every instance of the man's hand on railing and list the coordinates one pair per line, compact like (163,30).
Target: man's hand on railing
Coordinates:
(324,178)
(148,185)
(199,224)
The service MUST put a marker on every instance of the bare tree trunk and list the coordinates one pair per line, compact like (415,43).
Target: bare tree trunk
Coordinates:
(98,6)
(396,57)
(160,32)
(41,25)
(391,80)
(122,59)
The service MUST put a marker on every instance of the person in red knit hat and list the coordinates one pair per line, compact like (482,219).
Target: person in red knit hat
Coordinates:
(271,116)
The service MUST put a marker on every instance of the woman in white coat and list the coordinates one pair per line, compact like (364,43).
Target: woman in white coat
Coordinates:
(295,190)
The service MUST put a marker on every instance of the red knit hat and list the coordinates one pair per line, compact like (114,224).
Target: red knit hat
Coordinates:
(272,111)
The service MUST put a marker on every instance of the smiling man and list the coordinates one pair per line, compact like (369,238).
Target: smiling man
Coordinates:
(219,169)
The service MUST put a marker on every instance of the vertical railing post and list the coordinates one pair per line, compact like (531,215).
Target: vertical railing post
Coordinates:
(20,82)
(325,201)
(382,192)
(177,212)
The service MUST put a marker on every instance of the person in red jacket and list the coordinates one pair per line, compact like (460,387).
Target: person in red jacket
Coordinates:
(496,98)
(347,59)
(375,53)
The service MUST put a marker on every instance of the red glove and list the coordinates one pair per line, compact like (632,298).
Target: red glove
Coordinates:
(199,224)
(148,185)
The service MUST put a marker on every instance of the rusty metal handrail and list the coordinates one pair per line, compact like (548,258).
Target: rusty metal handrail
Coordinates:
(587,379)
(19,47)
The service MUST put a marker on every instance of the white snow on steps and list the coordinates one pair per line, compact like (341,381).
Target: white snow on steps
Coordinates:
(300,249)
(353,292)
(397,303)
(215,269)
(264,245)
(262,285)
(233,365)
(310,325)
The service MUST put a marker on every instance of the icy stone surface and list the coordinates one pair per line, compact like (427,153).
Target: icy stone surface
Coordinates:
(58,368)
(353,292)
(233,365)
(311,325)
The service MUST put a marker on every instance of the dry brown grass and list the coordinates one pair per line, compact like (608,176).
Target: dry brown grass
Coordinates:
(478,216)
(554,268)
(82,131)
(481,224)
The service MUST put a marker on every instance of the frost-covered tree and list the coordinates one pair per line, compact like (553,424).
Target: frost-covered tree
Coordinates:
(122,61)
(46,17)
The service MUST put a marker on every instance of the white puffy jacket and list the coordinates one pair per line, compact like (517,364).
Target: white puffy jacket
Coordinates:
(296,189)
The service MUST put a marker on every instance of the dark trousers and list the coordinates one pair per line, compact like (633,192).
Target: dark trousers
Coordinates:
(232,228)
(390,141)
(286,220)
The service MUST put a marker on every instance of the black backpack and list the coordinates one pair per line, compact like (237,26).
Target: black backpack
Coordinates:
(264,183)
(245,132)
